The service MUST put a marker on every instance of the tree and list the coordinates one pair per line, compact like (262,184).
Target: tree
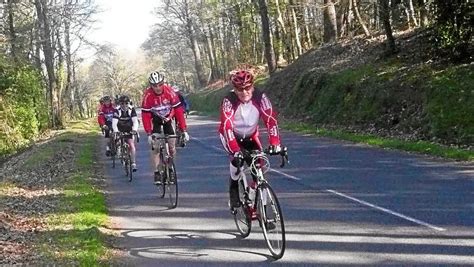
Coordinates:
(385,17)
(330,22)
(269,55)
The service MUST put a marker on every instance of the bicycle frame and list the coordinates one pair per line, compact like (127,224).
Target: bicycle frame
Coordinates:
(166,168)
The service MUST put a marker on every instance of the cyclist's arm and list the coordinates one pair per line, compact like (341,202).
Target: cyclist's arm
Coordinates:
(227,127)
(134,120)
(146,112)
(268,116)
(177,112)
(101,118)
(115,121)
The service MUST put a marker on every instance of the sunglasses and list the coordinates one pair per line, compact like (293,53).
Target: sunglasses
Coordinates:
(155,85)
(241,89)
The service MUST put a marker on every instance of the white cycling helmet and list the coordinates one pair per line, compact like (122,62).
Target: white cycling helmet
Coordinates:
(156,77)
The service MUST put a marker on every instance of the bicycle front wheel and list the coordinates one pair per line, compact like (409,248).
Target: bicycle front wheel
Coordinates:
(242,214)
(172,185)
(161,181)
(271,220)
(130,171)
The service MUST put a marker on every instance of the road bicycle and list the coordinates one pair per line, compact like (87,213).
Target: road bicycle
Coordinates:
(168,179)
(122,151)
(259,202)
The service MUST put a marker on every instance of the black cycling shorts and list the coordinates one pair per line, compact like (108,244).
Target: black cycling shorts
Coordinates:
(167,126)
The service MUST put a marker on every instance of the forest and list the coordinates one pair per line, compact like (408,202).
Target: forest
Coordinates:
(46,80)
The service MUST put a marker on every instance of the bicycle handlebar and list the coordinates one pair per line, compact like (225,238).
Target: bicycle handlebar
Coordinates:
(129,133)
(283,153)
(165,137)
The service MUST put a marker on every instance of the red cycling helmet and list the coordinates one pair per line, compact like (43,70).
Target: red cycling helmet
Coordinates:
(242,79)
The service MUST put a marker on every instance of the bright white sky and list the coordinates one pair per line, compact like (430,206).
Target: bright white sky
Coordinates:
(124,23)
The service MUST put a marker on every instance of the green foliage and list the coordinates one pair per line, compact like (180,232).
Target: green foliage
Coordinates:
(451,104)
(207,102)
(453,28)
(23,111)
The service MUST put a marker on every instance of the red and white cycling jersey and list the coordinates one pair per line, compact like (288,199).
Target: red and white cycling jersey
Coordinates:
(240,120)
(161,106)
(105,114)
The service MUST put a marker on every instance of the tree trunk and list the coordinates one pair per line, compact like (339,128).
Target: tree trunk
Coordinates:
(385,16)
(202,79)
(46,43)
(12,31)
(267,39)
(296,30)
(68,88)
(423,14)
(359,18)
(283,34)
(393,13)
(411,13)
(330,22)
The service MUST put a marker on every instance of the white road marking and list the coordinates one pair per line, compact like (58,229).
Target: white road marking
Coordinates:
(286,175)
(394,213)
(365,203)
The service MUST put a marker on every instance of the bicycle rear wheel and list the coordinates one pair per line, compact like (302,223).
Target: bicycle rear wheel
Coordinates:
(271,220)
(172,185)
(242,215)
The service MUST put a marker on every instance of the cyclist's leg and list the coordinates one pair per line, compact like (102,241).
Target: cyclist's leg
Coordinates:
(168,129)
(252,143)
(108,135)
(157,125)
(131,143)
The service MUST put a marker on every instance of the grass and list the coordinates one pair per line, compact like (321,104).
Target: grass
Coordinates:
(75,228)
(413,146)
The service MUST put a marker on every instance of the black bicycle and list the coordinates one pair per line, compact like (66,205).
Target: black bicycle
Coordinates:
(122,150)
(168,179)
(259,202)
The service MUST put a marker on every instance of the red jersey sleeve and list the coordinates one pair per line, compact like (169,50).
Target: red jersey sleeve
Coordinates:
(146,111)
(100,116)
(268,116)
(177,111)
(227,127)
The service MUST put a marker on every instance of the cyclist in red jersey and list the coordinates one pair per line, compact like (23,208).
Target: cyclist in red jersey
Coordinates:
(159,106)
(240,112)
(105,115)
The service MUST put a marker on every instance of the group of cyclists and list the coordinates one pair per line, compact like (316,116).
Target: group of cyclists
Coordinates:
(240,112)
(161,103)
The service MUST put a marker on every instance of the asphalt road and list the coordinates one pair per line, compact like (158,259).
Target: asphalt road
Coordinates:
(343,204)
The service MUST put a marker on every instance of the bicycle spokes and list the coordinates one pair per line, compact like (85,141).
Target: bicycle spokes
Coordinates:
(271,221)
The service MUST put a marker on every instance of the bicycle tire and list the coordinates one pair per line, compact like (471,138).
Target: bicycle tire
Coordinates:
(269,212)
(242,215)
(114,152)
(125,160)
(172,185)
(161,187)
(130,171)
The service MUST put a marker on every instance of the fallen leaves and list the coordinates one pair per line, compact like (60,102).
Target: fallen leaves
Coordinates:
(28,194)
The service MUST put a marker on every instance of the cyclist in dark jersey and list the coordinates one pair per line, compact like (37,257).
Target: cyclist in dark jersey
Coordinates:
(125,120)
